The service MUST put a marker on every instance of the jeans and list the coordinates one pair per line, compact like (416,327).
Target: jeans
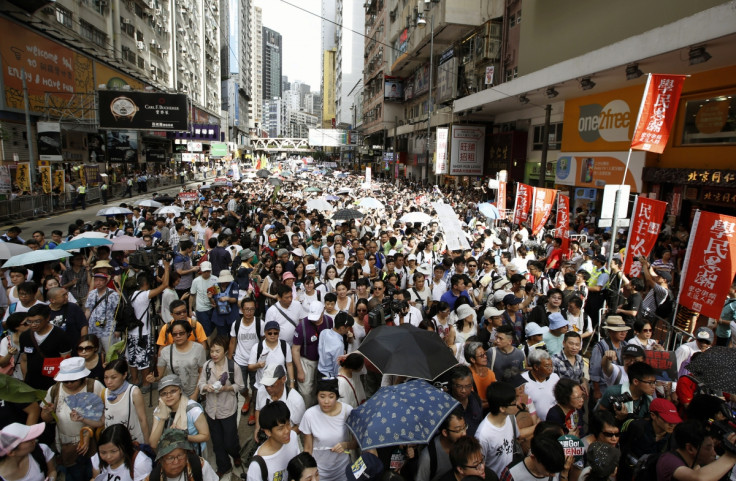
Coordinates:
(224,436)
(205,318)
(82,471)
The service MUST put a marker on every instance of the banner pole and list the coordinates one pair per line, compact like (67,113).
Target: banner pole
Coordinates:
(628,237)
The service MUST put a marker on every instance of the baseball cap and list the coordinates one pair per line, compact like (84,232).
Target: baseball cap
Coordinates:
(704,334)
(315,311)
(14,434)
(272,238)
(169,380)
(557,321)
(600,258)
(411,257)
(272,373)
(492,312)
(206,266)
(499,296)
(270,325)
(298,252)
(310,267)
(632,350)
(665,275)
(533,329)
(511,300)
(666,410)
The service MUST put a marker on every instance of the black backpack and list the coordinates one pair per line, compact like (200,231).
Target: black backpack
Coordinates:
(645,468)
(125,318)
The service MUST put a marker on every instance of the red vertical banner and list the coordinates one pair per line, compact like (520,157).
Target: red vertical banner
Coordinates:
(646,220)
(562,225)
(542,204)
(523,201)
(657,112)
(710,263)
(501,200)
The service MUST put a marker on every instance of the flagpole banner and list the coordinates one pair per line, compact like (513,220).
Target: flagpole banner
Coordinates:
(541,208)
(710,264)
(523,200)
(440,166)
(657,113)
(501,199)
(562,225)
(647,218)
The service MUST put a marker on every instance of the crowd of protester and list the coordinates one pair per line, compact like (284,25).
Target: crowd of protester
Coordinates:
(253,307)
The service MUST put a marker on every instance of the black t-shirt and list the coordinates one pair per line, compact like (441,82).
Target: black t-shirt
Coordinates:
(71,320)
(55,344)
(633,303)
(638,438)
(473,413)
(11,412)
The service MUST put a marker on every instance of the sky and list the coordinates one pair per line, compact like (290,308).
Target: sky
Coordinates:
(301,37)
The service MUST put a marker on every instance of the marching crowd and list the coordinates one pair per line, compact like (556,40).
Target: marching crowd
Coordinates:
(248,304)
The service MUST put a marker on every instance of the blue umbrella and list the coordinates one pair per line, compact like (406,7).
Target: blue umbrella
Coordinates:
(34,257)
(332,197)
(84,242)
(489,210)
(408,413)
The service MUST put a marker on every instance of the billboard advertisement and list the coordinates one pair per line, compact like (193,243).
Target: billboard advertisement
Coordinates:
(597,169)
(327,137)
(49,141)
(393,89)
(125,110)
(114,80)
(122,146)
(466,149)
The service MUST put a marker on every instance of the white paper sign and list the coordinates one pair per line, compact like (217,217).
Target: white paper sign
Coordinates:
(467,146)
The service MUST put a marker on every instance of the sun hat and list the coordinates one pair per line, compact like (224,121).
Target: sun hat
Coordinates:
(103,264)
(287,275)
(169,380)
(14,434)
(272,373)
(616,323)
(71,369)
(464,311)
(315,311)
(247,254)
(557,321)
(172,439)
(206,266)
(225,276)
(533,329)
(298,252)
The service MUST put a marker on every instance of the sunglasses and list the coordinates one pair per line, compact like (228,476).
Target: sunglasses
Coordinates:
(611,435)
(85,348)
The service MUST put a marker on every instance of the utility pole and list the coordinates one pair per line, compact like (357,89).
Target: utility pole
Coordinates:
(545,146)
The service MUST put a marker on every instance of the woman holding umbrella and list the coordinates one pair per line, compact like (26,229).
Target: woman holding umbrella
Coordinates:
(326,435)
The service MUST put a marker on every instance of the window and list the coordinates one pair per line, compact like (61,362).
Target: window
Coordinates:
(512,20)
(93,34)
(141,62)
(555,136)
(138,11)
(518,17)
(64,16)
(710,121)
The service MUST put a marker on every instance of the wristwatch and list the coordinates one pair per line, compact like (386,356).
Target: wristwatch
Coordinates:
(123,107)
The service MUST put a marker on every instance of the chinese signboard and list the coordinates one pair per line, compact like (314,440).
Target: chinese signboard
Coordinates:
(125,109)
(709,177)
(646,219)
(467,146)
(659,106)
(501,199)
(441,163)
(523,201)
(598,169)
(710,263)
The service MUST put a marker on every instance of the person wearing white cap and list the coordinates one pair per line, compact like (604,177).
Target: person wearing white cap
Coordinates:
(274,388)
(199,299)
(71,379)
(22,457)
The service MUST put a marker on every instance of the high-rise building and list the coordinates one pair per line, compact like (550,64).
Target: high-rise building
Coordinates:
(349,61)
(256,44)
(235,52)
(328,88)
(272,64)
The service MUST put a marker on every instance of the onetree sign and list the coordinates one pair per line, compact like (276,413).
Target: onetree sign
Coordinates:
(142,110)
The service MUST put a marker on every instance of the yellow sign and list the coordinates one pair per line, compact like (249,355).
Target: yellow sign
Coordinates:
(23,177)
(59,180)
(113,79)
(45,172)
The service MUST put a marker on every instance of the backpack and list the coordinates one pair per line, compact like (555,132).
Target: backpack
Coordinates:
(55,390)
(261,464)
(645,468)
(257,320)
(259,350)
(125,318)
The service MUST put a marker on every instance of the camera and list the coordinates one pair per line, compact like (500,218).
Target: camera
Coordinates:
(618,401)
(386,311)
(148,258)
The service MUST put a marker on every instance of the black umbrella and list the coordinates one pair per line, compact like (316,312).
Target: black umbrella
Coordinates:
(263,173)
(274,181)
(715,367)
(407,351)
(165,199)
(347,214)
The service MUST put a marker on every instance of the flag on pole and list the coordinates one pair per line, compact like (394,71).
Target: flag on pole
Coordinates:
(657,112)
(541,207)
(646,218)
(523,201)
(710,264)
(562,224)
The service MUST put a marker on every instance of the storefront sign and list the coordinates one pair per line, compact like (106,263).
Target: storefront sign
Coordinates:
(523,201)
(601,122)
(125,109)
(598,169)
(541,208)
(709,177)
(658,109)
(646,219)
(718,196)
(49,140)
(440,166)
(467,147)
(710,263)
(562,224)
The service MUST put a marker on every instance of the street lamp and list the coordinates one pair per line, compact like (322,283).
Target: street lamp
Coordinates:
(421,22)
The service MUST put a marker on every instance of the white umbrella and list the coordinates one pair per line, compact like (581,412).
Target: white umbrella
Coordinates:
(114,211)
(34,257)
(8,249)
(344,190)
(319,204)
(149,203)
(88,235)
(371,203)
(413,217)
(170,209)
(126,243)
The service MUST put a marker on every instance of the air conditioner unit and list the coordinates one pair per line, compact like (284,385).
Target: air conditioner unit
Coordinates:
(493,49)
(164,52)
(493,30)
(153,69)
(157,11)
(140,45)
(153,42)
(126,21)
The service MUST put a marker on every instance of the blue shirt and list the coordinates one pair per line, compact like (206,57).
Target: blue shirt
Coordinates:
(451,298)
(331,346)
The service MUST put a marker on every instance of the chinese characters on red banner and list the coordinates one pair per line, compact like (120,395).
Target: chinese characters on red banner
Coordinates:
(647,218)
(659,106)
(541,208)
(710,263)
(523,200)
(501,200)
(562,226)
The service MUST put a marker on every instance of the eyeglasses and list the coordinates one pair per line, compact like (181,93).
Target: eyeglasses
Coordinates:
(85,348)
(34,323)
(646,330)
(174,459)
(611,435)
(478,466)
(459,430)
(168,393)
(482,354)
(651,383)
(179,334)
(179,313)
(249,309)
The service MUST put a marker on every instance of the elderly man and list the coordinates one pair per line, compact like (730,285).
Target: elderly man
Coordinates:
(273,388)
(616,341)
(541,381)
(461,388)
(100,309)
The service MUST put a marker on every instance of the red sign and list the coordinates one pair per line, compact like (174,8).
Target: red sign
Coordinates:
(523,201)
(647,218)
(710,263)
(657,112)
(562,226)
(501,200)
(541,208)
(188,196)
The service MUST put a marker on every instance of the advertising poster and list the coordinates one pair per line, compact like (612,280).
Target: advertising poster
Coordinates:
(125,109)
(45,178)
(5,180)
(393,89)
(440,166)
(49,67)
(122,146)
(598,169)
(114,80)
(467,147)
(49,140)
(59,181)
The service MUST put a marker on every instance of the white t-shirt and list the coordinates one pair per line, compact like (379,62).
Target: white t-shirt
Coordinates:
(327,431)
(34,472)
(247,339)
(270,356)
(542,393)
(275,462)
(351,389)
(140,302)
(497,443)
(287,327)
(294,401)
(141,468)
(440,287)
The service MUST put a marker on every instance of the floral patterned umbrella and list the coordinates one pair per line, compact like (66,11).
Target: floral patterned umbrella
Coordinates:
(408,413)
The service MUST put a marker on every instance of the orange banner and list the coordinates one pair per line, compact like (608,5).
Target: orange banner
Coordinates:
(710,264)
(501,200)
(523,201)
(541,208)
(562,225)
(647,217)
(657,113)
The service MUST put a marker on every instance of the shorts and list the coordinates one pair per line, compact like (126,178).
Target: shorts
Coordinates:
(139,351)
(249,378)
